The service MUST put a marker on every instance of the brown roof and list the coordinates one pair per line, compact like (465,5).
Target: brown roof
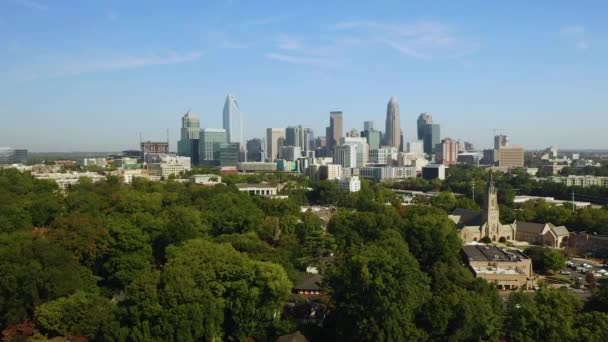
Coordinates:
(530,227)
(468,217)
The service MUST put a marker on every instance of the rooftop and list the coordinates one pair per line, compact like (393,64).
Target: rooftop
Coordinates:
(491,253)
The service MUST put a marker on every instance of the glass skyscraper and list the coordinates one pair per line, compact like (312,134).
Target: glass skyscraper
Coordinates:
(210,143)
(190,134)
(233,120)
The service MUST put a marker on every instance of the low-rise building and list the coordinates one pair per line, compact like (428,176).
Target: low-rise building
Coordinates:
(256,167)
(434,171)
(506,269)
(12,156)
(582,181)
(206,179)
(383,173)
(258,189)
(589,244)
(545,234)
(351,184)
(65,181)
(169,165)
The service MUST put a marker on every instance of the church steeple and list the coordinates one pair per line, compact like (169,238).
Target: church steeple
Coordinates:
(491,213)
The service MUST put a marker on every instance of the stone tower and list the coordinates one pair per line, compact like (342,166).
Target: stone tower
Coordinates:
(491,214)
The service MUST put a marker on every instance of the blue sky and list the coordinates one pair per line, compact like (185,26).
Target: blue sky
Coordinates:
(90,75)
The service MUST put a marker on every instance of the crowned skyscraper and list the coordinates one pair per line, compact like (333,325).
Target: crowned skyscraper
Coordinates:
(393,124)
(233,120)
(188,144)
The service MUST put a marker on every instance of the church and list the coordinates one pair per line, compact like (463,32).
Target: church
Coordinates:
(474,225)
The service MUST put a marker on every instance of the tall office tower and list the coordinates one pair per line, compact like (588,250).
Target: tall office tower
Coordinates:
(447,152)
(428,132)
(292,136)
(233,120)
(401,143)
(392,136)
(190,134)
(501,141)
(308,139)
(320,142)
(362,148)
(346,155)
(275,138)
(210,142)
(335,130)
(255,150)
(368,125)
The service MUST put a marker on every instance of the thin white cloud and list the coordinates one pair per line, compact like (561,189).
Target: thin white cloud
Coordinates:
(295,59)
(421,39)
(124,63)
(573,30)
(32,5)
(575,34)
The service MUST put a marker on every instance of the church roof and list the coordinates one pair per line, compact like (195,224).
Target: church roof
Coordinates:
(466,217)
(561,231)
(530,227)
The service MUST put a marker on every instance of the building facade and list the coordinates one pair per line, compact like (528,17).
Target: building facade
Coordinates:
(582,181)
(510,157)
(346,155)
(384,173)
(209,145)
(447,152)
(275,138)
(255,150)
(392,135)
(335,131)
(506,269)
(12,156)
(350,184)
(188,144)
(233,120)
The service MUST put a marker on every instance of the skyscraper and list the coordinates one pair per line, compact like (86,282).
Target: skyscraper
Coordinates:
(501,141)
(233,120)
(255,150)
(294,136)
(368,125)
(393,124)
(428,132)
(190,134)
(335,130)
(209,145)
(274,140)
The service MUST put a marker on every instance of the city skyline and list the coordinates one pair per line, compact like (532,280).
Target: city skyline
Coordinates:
(92,78)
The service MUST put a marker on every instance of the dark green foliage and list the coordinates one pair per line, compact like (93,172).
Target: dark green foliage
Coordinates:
(35,270)
(545,259)
(377,290)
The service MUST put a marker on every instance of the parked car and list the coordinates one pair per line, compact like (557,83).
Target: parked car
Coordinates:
(564,272)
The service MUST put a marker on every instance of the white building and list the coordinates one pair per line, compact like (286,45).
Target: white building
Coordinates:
(258,189)
(291,153)
(434,171)
(384,155)
(351,184)
(382,173)
(274,140)
(101,162)
(169,165)
(65,181)
(346,155)
(206,179)
(582,181)
(415,147)
(362,149)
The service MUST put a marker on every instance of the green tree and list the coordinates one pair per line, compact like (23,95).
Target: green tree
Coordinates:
(376,290)
(34,271)
(78,314)
(545,259)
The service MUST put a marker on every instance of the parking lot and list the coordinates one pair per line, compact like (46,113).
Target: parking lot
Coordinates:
(577,269)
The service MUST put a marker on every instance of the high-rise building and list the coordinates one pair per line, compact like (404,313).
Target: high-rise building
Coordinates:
(291,153)
(362,148)
(374,138)
(308,139)
(447,152)
(152,151)
(255,150)
(187,146)
(12,156)
(501,141)
(368,125)
(335,130)
(228,154)
(275,138)
(233,120)
(510,156)
(428,132)
(415,147)
(209,145)
(392,136)
(346,155)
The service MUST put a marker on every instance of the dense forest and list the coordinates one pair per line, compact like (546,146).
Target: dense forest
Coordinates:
(172,261)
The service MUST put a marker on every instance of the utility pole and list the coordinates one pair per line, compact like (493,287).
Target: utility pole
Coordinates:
(473,186)
(573,206)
